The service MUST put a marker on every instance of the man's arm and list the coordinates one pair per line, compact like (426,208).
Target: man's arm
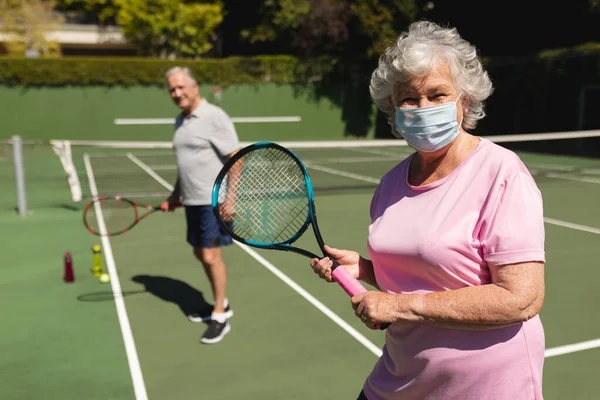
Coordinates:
(173,201)
(227,209)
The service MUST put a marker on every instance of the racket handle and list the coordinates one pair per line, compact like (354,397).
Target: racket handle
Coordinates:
(352,286)
(165,206)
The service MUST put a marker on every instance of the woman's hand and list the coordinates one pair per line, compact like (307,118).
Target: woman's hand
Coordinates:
(374,308)
(346,258)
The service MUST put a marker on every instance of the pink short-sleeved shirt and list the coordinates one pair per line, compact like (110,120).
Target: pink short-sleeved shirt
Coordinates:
(441,236)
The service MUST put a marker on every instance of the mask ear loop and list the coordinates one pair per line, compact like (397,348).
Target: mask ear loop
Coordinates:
(459,96)
(395,132)
(463,113)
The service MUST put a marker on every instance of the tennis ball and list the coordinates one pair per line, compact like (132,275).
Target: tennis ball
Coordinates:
(104,278)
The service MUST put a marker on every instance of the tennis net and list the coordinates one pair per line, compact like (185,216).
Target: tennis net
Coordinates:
(142,170)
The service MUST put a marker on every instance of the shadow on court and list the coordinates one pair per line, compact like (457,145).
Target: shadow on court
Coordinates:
(105,295)
(172,290)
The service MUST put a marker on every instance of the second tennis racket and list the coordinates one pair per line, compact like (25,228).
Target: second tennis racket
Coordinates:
(263,197)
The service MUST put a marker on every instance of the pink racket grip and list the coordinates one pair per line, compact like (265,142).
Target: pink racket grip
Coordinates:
(352,286)
(349,283)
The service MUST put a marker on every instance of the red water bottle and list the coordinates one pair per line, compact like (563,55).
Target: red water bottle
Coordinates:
(69,275)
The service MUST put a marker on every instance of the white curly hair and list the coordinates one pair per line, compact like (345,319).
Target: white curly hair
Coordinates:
(416,53)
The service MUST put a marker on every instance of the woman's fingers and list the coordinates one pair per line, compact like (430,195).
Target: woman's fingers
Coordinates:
(322,267)
(333,252)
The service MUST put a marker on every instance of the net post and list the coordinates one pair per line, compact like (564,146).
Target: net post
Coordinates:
(19,174)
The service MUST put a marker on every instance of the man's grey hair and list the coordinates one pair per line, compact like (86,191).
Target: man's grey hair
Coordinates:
(185,70)
(417,52)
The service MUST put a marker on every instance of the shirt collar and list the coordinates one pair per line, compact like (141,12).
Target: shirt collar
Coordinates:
(196,113)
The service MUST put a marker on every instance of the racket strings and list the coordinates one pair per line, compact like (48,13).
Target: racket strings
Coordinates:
(265,196)
(117,215)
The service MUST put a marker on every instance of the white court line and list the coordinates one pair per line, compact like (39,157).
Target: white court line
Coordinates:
(570,225)
(556,167)
(148,170)
(351,160)
(132,357)
(395,155)
(288,281)
(566,176)
(235,120)
(342,173)
(164,167)
(294,118)
(572,178)
(312,300)
(572,348)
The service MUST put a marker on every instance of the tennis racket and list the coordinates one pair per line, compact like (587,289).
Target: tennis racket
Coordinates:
(117,214)
(263,197)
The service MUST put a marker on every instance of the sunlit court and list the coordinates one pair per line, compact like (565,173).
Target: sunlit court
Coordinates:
(299,200)
(131,336)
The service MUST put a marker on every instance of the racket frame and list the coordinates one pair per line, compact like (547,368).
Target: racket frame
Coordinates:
(350,284)
(311,215)
(134,204)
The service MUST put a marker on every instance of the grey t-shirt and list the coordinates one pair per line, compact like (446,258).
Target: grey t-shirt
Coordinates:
(202,142)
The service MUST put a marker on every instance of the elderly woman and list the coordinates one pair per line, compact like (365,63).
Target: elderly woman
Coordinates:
(456,243)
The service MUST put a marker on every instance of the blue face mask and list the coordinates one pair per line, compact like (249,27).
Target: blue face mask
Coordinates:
(428,129)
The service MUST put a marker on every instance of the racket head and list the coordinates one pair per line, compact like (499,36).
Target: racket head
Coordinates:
(112,216)
(263,196)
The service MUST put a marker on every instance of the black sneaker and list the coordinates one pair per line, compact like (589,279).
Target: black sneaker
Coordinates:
(204,313)
(215,332)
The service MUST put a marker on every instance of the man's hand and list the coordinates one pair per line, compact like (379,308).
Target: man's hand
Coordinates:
(170,204)
(227,210)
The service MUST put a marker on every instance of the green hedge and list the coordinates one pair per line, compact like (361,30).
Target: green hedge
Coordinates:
(79,71)
(281,69)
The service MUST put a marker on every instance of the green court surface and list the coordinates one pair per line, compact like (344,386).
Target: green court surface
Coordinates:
(293,336)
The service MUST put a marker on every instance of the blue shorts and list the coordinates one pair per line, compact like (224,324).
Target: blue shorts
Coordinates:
(203,230)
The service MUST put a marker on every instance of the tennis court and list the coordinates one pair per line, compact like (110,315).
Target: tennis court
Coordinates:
(293,336)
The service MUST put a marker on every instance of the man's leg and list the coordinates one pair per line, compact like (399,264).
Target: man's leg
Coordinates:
(216,271)
(207,240)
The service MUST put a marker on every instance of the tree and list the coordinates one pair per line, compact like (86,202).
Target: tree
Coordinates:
(381,21)
(309,27)
(352,33)
(28,23)
(169,28)
(334,27)
(105,10)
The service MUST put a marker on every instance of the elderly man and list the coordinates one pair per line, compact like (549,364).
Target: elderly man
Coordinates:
(204,139)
